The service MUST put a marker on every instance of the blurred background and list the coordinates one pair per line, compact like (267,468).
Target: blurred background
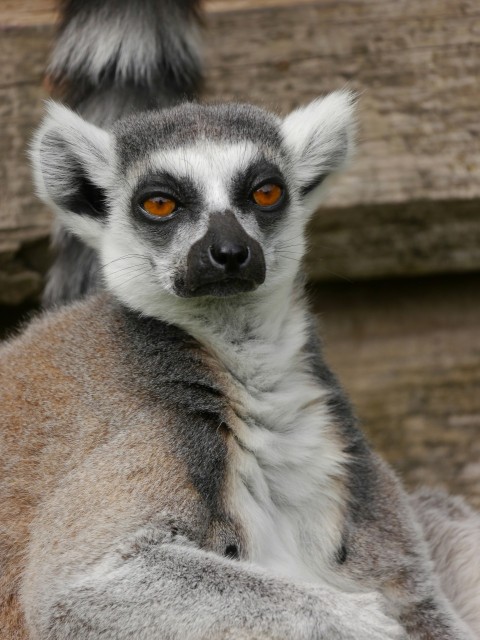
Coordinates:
(394,262)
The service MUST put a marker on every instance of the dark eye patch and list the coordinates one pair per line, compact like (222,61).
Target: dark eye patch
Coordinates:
(181,189)
(259,172)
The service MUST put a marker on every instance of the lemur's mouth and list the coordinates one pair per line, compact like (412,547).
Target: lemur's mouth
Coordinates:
(220,288)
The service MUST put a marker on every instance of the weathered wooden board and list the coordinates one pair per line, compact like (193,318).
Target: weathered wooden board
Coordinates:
(409,355)
(408,205)
(411,238)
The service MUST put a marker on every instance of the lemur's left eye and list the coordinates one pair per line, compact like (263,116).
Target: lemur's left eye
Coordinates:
(160,206)
(268,194)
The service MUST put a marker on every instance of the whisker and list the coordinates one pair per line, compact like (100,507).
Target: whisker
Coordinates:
(290,258)
(128,256)
(131,266)
(133,269)
(301,234)
(137,275)
(290,246)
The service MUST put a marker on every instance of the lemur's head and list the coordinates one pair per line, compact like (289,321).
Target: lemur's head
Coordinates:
(196,200)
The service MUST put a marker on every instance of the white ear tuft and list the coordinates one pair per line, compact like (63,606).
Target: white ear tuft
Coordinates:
(320,137)
(72,163)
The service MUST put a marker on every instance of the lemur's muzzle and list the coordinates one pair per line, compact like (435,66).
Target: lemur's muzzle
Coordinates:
(225,261)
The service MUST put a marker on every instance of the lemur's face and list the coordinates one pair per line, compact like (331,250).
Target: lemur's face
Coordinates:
(209,216)
(194,201)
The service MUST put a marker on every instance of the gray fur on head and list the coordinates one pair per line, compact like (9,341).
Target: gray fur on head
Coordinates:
(214,155)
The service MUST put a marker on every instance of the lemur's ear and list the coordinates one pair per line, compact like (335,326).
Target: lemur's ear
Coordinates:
(72,162)
(320,137)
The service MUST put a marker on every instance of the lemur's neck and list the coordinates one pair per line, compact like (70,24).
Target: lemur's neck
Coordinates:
(255,336)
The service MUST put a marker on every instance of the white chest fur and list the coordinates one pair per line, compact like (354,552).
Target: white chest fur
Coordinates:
(286,477)
(286,470)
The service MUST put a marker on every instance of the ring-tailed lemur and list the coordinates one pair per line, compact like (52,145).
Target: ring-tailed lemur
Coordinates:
(177,459)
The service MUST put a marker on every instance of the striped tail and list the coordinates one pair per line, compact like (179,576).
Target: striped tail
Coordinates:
(111,58)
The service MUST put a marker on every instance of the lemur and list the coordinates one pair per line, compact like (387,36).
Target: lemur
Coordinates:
(178,461)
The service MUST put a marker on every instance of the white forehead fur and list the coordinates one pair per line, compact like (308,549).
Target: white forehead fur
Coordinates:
(210,165)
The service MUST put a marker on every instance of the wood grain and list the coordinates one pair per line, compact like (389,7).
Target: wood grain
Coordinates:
(408,204)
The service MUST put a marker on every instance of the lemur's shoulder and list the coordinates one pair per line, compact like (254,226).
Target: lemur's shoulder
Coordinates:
(65,378)
(102,419)
(48,330)
(96,353)
(44,364)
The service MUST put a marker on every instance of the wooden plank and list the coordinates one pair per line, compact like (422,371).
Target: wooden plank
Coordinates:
(408,205)
(27,13)
(409,357)
(412,238)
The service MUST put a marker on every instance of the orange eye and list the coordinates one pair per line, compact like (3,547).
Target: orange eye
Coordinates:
(160,206)
(268,194)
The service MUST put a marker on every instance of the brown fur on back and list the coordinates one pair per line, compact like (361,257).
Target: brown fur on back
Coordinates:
(65,464)
(117,438)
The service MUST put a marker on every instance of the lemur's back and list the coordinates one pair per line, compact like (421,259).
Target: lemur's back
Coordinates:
(104,431)
(44,434)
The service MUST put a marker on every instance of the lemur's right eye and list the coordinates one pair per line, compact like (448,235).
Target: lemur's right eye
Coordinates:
(160,206)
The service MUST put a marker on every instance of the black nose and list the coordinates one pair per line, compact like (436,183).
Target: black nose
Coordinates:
(225,261)
(229,256)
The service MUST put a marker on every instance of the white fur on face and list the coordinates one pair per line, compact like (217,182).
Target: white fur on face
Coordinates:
(318,138)
(211,167)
